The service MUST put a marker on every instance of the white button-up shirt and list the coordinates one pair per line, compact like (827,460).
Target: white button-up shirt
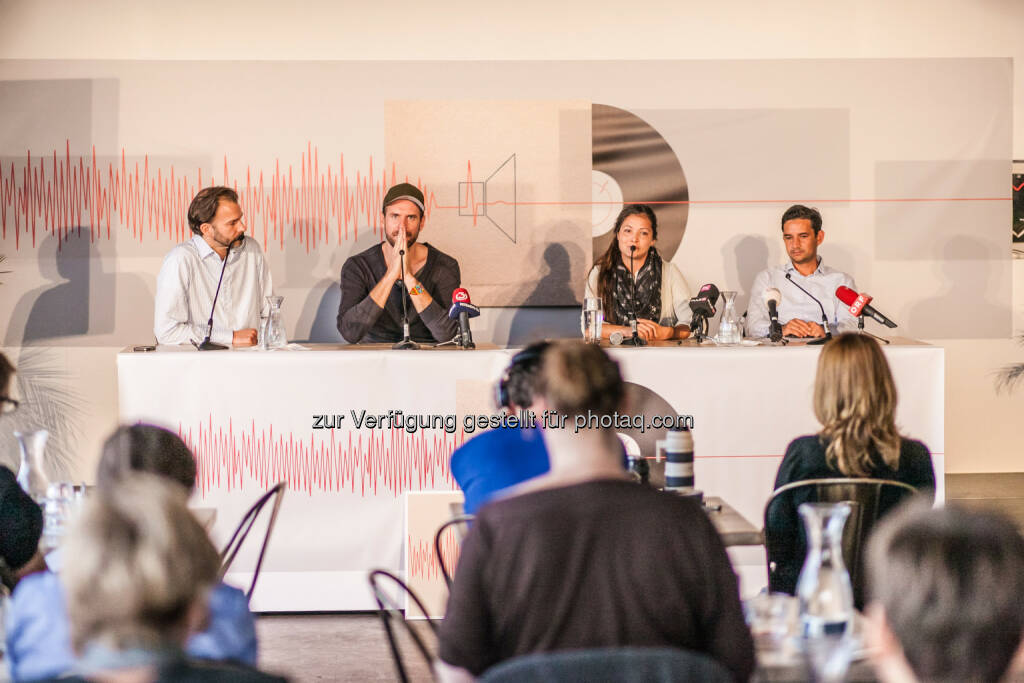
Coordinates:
(188,280)
(796,305)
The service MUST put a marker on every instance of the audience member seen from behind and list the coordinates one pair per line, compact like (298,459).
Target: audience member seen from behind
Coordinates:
(662,299)
(571,559)
(7,402)
(947,596)
(38,638)
(143,568)
(855,402)
(499,458)
(230,634)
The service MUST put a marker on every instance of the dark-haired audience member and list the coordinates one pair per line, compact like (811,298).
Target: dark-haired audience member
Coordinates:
(189,277)
(572,560)
(36,591)
(143,567)
(38,641)
(799,314)
(855,402)
(499,458)
(947,596)
(662,295)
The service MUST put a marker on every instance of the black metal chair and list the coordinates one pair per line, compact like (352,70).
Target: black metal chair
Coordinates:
(458,519)
(624,664)
(242,532)
(389,607)
(784,538)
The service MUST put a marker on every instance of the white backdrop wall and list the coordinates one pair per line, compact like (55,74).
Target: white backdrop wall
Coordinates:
(464,31)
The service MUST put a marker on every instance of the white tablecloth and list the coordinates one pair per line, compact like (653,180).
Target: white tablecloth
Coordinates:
(249,417)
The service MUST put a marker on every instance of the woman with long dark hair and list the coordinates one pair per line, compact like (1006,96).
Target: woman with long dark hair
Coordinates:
(662,296)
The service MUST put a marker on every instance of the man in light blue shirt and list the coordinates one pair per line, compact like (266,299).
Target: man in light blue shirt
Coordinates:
(799,314)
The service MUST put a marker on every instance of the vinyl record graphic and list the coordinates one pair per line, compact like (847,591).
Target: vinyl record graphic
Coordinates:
(646,169)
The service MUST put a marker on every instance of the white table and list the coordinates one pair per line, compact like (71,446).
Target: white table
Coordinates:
(249,417)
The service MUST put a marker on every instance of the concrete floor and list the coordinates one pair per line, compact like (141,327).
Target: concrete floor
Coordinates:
(353,647)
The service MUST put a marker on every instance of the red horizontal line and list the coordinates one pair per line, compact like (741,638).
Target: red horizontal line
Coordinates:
(738,201)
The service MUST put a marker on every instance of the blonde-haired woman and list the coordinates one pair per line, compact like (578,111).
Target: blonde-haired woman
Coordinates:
(855,402)
(137,587)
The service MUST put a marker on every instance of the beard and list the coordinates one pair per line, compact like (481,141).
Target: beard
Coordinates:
(409,241)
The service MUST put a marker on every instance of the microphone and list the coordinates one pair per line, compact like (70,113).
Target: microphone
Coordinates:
(703,307)
(860,304)
(407,342)
(824,318)
(772,299)
(463,310)
(208,345)
(635,340)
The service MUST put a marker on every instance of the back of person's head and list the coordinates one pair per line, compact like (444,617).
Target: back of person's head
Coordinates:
(517,386)
(576,378)
(6,374)
(21,526)
(855,402)
(145,448)
(950,583)
(139,566)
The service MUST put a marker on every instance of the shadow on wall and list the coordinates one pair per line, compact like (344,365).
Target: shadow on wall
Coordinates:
(86,301)
(744,257)
(963,309)
(527,326)
(318,320)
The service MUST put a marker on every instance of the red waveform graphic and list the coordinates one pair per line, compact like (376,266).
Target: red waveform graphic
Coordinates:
(313,203)
(423,559)
(374,463)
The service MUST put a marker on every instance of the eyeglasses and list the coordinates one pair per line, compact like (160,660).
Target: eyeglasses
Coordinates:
(8,405)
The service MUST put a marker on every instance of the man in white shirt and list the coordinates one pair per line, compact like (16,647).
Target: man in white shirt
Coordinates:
(799,314)
(188,278)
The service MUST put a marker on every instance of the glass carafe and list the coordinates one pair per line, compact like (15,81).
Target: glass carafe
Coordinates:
(729,330)
(32,476)
(274,326)
(825,594)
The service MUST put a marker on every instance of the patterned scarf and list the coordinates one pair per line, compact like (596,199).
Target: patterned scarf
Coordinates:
(648,290)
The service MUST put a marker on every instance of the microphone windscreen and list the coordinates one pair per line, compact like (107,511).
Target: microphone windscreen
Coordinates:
(772,294)
(846,295)
(710,291)
(460,295)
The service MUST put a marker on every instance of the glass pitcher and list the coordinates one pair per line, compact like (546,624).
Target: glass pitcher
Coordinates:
(729,330)
(273,331)
(32,475)
(825,594)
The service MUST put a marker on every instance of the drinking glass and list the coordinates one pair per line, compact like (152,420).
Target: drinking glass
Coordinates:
(592,319)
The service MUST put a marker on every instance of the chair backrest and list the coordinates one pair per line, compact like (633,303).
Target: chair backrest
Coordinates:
(227,556)
(869,500)
(623,664)
(438,550)
(389,608)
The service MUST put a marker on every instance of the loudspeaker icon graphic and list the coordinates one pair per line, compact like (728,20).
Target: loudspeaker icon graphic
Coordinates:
(493,199)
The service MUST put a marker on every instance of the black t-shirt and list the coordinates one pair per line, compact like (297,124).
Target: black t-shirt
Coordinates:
(805,459)
(600,564)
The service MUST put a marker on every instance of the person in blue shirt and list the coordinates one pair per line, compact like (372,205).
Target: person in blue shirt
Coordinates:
(38,638)
(504,457)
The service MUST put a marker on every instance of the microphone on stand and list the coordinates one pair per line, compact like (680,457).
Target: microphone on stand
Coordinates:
(407,342)
(463,310)
(635,340)
(208,345)
(703,307)
(860,305)
(824,318)
(772,299)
